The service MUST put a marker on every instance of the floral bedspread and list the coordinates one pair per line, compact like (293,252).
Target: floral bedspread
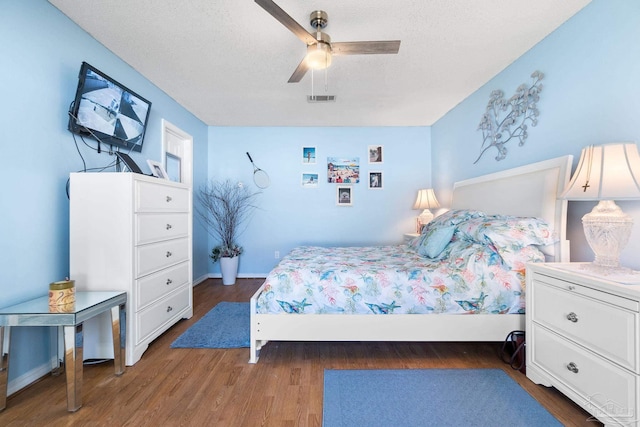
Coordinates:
(394,279)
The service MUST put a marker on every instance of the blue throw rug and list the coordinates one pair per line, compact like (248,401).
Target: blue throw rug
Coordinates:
(225,326)
(429,397)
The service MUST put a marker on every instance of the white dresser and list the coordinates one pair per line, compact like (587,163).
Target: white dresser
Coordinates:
(582,338)
(132,232)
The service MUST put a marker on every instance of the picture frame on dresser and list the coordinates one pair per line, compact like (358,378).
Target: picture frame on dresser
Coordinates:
(157,169)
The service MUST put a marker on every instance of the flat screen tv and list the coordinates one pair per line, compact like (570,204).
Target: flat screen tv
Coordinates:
(108,111)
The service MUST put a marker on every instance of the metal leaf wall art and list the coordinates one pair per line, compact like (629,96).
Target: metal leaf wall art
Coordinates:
(509,119)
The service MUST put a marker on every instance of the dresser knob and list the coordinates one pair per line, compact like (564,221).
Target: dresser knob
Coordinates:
(571,288)
(572,317)
(169,227)
(169,254)
(169,199)
(169,281)
(169,308)
(572,367)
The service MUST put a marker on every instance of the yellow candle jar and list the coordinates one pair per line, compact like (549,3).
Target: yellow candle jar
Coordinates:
(62,296)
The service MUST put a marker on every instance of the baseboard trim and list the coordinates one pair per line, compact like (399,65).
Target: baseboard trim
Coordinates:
(30,377)
(240,276)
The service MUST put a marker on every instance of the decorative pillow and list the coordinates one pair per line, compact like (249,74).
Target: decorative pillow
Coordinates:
(452,217)
(435,240)
(507,232)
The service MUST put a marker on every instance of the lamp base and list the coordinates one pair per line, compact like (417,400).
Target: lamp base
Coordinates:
(424,218)
(607,230)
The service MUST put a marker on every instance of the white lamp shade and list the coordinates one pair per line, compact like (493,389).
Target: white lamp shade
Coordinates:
(426,200)
(606,172)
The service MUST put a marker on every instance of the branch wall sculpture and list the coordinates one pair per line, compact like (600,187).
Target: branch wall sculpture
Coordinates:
(505,120)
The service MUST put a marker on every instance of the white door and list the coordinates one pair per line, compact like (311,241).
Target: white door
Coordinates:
(177,153)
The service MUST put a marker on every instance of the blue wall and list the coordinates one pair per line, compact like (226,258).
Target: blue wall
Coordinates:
(41,51)
(591,95)
(290,215)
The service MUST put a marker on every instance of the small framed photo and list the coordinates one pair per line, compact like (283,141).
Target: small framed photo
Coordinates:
(344,196)
(157,170)
(375,154)
(375,180)
(309,155)
(310,180)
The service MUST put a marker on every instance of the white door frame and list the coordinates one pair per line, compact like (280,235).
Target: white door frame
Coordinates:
(177,142)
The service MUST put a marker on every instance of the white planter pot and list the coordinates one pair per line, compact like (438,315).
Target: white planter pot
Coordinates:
(229,270)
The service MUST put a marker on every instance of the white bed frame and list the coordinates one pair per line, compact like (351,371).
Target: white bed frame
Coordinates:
(530,190)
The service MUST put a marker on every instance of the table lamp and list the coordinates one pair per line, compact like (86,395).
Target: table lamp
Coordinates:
(426,200)
(606,173)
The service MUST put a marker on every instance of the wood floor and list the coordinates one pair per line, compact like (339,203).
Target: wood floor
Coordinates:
(204,387)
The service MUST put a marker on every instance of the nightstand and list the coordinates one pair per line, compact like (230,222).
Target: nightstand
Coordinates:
(408,237)
(582,338)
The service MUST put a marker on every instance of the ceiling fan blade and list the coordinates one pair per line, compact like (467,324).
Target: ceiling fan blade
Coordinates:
(365,48)
(300,71)
(286,20)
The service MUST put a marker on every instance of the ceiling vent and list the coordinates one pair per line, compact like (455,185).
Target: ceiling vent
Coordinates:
(321,98)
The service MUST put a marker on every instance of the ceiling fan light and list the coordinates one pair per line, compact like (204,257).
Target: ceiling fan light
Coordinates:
(319,56)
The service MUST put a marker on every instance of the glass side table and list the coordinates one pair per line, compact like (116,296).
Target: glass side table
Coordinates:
(37,313)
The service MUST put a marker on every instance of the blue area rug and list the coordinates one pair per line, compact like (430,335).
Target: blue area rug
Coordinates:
(428,397)
(225,326)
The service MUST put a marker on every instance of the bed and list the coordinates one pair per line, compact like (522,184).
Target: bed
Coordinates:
(406,310)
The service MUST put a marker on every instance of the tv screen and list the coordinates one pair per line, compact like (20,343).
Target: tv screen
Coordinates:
(108,111)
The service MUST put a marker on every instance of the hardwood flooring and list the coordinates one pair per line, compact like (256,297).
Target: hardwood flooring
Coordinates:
(205,387)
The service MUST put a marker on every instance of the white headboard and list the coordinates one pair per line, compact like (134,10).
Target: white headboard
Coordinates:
(530,190)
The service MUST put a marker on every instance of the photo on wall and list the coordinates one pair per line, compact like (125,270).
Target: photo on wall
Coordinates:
(375,180)
(310,180)
(375,154)
(343,170)
(344,196)
(309,155)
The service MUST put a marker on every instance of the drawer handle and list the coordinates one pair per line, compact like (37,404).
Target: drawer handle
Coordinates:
(169,199)
(169,308)
(169,254)
(169,281)
(573,367)
(572,317)
(571,288)
(169,227)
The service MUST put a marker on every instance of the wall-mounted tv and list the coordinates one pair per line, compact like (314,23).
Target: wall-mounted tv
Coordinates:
(108,111)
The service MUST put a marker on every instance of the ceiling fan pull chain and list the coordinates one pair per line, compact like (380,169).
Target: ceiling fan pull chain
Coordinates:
(326,80)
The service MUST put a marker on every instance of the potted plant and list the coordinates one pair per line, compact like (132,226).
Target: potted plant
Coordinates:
(223,207)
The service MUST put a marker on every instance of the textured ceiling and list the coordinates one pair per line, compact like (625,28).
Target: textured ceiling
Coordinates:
(228,61)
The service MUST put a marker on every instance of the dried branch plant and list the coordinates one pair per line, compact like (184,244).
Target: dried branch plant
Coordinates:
(223,207)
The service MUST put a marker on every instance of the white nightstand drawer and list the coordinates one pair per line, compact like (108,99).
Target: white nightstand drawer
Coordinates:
(599,382)
(603,327)
(155,227)
(156,256)
(152,197)
(155,286)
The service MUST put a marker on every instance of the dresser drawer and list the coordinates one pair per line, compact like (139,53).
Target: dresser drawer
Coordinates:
(155,227)
(157,285)
(600,383)
(156,256)
(152,197)
(155,316)
(607,329)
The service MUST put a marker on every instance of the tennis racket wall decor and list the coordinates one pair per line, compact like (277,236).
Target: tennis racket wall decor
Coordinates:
(260,177)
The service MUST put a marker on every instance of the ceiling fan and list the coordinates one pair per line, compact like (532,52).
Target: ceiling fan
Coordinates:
(320,50)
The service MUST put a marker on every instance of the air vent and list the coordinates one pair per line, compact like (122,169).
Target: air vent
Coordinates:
(321,98)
